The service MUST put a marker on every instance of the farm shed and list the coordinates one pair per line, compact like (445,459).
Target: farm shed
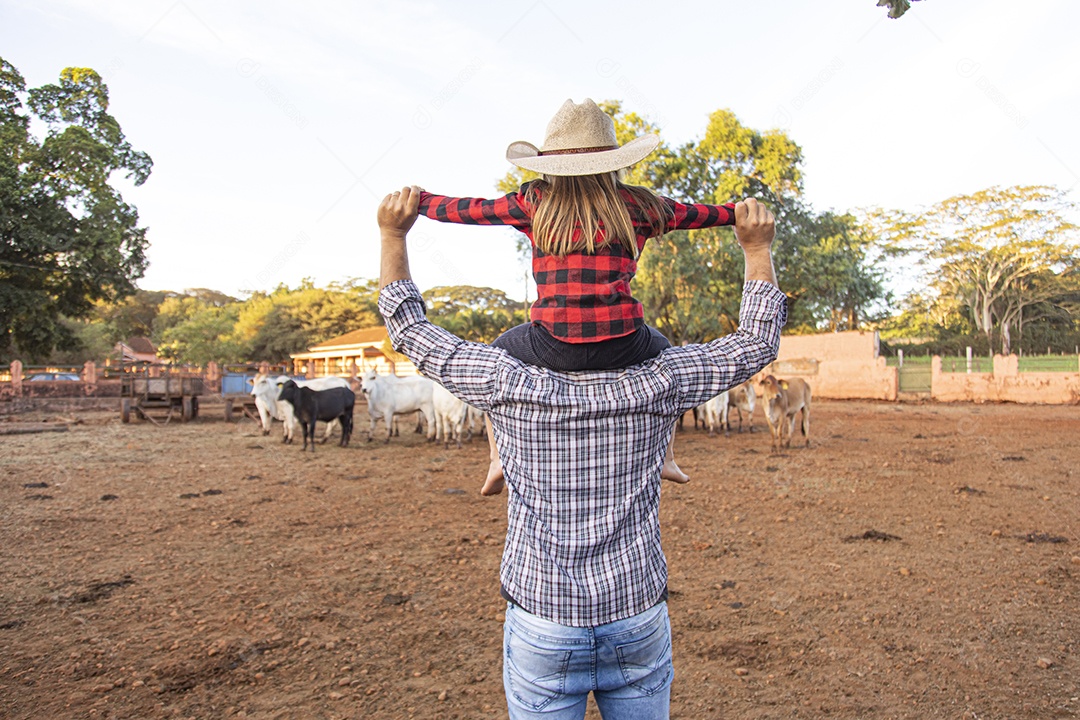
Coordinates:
(362,347)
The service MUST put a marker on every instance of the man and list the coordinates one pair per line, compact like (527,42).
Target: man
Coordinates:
(582,568)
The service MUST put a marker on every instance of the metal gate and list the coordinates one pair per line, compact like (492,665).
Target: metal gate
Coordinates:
(915,378)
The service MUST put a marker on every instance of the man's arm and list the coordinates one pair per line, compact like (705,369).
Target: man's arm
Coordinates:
(755,229)
(465,369)
(397,213)
(706,370)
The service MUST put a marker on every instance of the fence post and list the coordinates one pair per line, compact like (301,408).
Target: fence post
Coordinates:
(900,358)
(89,377)
(935,373)
(16,377)
(969,359)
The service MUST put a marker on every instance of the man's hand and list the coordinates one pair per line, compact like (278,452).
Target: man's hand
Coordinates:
(755,229)
(755,226)
(397,211)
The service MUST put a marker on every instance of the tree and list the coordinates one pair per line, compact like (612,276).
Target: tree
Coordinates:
(842,284)
(1006,256)
(68,238)
(207,335)
(690,282)
(271,327)
(896,7)
(474,313)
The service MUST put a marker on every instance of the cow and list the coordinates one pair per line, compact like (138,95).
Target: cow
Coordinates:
(781,399)
(742,398)
(474,421)
(450,415)
(389,395)
(266,388)
(314,405)
(714,412)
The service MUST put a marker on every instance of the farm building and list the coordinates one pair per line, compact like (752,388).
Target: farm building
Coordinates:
(366,348)
(136,350)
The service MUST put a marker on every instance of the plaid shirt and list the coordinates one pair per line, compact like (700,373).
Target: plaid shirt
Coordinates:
(582,298)
(582,452)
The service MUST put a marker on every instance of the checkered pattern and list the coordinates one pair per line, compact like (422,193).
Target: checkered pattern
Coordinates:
(581,298)
(582,452)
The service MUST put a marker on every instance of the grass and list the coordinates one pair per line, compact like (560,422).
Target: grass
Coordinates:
(1028,363)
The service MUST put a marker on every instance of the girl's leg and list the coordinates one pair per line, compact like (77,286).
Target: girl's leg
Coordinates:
(530,345)
(493,484)
(671,471)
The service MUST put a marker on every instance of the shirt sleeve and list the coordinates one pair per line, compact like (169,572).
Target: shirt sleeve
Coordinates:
(511,209)
(467,369)
(704,371)
(699,215)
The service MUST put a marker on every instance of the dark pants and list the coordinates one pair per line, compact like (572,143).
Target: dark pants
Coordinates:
(532,344)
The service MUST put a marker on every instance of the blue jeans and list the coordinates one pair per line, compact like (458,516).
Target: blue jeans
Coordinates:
(549,669)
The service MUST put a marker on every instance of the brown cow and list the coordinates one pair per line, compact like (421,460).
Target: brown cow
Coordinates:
(781,399)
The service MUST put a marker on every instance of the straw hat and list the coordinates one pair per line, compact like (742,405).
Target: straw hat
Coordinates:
(580,140)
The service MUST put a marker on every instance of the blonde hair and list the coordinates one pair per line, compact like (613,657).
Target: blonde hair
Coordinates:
(570,211)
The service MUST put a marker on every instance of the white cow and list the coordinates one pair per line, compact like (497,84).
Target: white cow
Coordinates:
(742,398)
(389,395)
(450,415)
(266,388)
(714,412)
(474,421)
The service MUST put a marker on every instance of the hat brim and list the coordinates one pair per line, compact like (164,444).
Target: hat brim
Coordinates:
(526,155)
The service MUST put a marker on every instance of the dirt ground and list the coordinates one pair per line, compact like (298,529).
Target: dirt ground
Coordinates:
(917,561)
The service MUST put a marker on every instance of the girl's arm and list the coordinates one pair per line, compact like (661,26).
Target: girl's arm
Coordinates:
(510,209)
(699,215)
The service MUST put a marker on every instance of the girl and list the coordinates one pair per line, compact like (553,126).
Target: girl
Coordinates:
(586,229)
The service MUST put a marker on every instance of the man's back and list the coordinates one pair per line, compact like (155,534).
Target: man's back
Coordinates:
(582,452)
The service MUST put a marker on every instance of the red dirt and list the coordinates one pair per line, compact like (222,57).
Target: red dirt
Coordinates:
(231,576)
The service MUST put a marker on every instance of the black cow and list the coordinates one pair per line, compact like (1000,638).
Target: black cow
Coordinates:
(326,405)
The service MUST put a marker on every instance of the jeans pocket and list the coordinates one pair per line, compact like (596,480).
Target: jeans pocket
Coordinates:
(646,661)
(535,675)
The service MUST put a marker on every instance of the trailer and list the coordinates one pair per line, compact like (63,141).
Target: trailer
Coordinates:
(159,393)
(236,392)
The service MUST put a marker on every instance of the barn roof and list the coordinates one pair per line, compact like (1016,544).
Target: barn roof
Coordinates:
(140,345)
(365,336)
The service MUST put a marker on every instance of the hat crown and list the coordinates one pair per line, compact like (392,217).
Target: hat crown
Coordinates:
(580,125)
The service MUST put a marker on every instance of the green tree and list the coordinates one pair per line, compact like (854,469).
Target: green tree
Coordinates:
(68,238)
(206,335)
(731,161)
(270,327)
(474,313)
(896,7)
(841,282)
(690,282)
(1007,256)
(177,308)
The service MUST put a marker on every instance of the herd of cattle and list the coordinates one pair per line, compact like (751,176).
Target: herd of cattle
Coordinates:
(331,400)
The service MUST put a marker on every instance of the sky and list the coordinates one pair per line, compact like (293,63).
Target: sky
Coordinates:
(276,128)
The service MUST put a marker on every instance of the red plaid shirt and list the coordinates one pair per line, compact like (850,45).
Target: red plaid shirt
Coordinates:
(581,297)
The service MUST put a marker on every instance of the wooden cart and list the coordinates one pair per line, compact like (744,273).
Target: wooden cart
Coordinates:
(236,392)
(158,393)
